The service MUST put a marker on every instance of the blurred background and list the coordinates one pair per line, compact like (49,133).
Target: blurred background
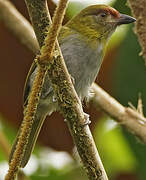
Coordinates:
(122,75)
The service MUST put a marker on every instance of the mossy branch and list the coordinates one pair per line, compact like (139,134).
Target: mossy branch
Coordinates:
(32,106)
(39,15)
(68,100)
(27,125)
(120,113)
(139,11)
(126,116)
(94,168)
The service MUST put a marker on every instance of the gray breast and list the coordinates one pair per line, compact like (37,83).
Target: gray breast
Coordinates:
(83,62)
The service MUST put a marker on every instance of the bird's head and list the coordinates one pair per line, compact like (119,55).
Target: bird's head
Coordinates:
(98,21)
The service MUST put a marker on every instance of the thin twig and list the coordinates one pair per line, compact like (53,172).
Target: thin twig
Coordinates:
(18,25)
(139,11)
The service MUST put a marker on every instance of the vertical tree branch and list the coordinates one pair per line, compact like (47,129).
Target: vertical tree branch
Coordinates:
(139,11)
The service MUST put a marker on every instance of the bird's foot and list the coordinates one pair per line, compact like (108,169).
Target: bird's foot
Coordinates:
(87,119)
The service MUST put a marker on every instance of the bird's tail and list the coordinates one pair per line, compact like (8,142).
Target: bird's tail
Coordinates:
(37,124)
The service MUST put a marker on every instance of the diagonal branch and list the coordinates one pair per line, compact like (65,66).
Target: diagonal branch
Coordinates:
(70,104)
(39,15)
(134,121)
(26,126)
(18,25)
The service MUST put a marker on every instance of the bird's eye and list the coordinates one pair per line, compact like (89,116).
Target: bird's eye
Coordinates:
(103,14)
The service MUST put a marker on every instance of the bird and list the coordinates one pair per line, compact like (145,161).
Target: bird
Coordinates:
(83,41)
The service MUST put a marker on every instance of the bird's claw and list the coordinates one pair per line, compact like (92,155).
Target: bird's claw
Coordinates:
(87,119)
